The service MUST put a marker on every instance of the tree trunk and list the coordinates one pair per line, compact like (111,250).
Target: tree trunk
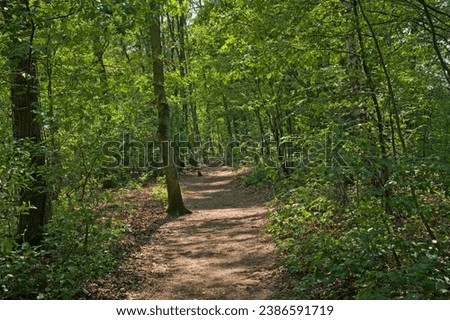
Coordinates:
(176,206)
(443,62)
(26,128)
(181,25)
(24,96)
(229,148)
(385,172)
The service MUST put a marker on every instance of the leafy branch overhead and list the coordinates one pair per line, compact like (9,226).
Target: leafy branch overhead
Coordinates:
(340,106)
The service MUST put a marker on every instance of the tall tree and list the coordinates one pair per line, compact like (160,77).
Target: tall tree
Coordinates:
(176,205)
(18,17)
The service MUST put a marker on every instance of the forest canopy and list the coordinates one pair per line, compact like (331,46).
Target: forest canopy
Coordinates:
(341,106)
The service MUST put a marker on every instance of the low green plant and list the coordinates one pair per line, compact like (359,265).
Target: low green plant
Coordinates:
(159,191)
(358,253)
(260,176)
(77,248)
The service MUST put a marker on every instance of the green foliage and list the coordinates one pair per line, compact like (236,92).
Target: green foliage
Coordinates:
(95,90)
(367,221)
(159,191)
(350,254)
(261,176)
(15,175)
(77,248)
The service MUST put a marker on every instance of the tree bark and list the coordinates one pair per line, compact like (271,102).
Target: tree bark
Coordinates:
(181,25)
(175,200)
(26,129)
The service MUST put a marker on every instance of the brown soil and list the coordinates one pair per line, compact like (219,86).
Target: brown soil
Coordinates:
(218,252)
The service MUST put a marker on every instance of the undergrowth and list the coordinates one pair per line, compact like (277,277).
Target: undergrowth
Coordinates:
(337,248)
(76,248)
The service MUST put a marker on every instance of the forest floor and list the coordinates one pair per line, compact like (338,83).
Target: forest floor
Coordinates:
(220,251)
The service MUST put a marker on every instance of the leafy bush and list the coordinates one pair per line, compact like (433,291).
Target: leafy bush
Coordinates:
(260,176)
(77,248)
(353,255)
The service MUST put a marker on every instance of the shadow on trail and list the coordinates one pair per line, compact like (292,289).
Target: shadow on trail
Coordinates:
(218,252)
(214,191)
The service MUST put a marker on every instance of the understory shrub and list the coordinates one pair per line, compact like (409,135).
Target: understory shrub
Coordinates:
(357,253)
(76,248)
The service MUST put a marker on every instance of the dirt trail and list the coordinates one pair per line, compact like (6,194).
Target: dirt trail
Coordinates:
(218,252)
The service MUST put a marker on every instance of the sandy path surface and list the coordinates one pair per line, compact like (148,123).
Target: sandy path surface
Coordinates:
(218,252)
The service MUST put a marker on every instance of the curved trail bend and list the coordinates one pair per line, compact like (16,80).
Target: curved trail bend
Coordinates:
(218,252)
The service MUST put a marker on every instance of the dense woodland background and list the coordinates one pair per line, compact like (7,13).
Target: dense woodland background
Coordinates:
(342,106)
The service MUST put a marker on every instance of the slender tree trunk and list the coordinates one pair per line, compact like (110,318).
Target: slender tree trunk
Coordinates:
(176,206)
(385,172)
(379,116)
(26,128)
(195,126)
(99,49)
(187,89)
(181,25)
(53,158)
(395,112)
(443,62)
(229,151)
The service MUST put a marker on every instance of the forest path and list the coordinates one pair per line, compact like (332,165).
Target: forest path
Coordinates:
(217,252)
